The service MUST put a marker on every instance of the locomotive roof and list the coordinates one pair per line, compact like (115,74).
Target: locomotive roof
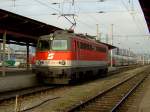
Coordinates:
(70,34)
(109,46)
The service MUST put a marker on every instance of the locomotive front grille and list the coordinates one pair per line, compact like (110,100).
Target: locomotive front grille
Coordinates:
(57,72)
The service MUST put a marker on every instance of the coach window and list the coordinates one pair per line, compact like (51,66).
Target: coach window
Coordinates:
(59,45)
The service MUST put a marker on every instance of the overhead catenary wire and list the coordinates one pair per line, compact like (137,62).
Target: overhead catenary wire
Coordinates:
(82,1)
(132,12)
(138,17)
(46,5)
(84,23)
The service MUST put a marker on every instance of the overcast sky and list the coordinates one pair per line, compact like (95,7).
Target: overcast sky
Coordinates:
(129,26)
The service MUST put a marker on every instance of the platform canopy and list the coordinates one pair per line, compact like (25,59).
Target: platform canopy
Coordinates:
(22,30)
(145,4)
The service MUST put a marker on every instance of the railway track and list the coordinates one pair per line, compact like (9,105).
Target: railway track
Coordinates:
(47,96)
(111,99)
(12,94)
(17,96)
(135,101)
(27,91)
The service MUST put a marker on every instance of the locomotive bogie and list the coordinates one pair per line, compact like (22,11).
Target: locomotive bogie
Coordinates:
(66,75)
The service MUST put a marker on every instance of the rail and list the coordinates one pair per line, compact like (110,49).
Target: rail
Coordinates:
(88,101)
(123,99)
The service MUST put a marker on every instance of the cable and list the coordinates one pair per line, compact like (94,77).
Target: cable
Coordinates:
(39,104)
(85,1)
(90,26)
(134,20)
(47,5)
(138,18)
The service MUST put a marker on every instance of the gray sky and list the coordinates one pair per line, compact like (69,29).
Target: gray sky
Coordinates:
(130,29)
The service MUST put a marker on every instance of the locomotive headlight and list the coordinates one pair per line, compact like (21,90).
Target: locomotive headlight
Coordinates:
(51,37)
(62,62)
(39,62)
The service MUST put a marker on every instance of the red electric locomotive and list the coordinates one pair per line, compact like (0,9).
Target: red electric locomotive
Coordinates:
(63,57)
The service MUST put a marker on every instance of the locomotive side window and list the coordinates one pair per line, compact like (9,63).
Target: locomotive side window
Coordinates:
(43,45)
(90,47)
(59,45)
(85,46)
(76,45)
(100,49)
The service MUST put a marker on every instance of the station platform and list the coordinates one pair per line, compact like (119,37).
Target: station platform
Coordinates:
(144,105)
(21,78)
(14,71)
(17,79)
(112,69)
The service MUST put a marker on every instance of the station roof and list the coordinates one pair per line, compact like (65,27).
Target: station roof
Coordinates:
(145,4)
(21,30)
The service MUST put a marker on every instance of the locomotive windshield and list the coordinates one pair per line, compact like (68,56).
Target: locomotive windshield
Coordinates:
(52,45)
(43,45)
(59,45)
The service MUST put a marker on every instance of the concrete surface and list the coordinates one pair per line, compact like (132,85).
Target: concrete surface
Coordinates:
(17,80)
(20,78)
(15,71)
(112,69)
(145,103)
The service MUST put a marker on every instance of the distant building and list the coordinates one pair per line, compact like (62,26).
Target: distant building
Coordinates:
(143,58)
(20,55)
(9,52)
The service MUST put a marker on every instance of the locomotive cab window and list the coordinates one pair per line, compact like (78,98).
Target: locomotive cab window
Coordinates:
(59,45)
(43,45)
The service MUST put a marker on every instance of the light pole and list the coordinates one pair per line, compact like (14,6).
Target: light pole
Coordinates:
(129,56)
(143,59)
(97,31)
(111,52)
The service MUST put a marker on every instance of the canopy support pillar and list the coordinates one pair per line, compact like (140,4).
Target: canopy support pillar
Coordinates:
(28,65)
(4,55)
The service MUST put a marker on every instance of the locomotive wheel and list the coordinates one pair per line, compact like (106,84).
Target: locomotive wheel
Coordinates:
(73,78)
(106,71)
(39,78)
